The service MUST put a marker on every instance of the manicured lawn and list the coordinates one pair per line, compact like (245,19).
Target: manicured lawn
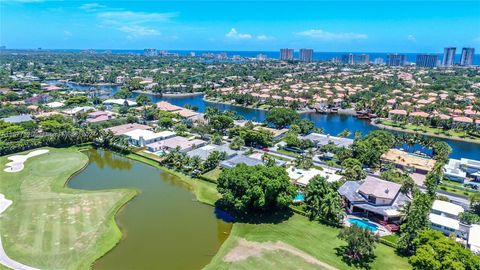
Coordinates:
(213,174)
(288,153)
(314,239)
(431,130)
(50,226)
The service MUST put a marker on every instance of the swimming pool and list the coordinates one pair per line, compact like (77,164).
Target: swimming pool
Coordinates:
(363,224)
(299,197)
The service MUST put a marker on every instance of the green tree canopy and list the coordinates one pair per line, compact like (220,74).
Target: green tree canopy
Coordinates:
(282,117)
(255,188)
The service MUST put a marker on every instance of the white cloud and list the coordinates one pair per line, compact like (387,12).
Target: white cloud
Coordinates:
(233,34)
(264,37)
(135,17)
(135,24)
(92,7)
(330,36)
(67,35)
(411,38)
(139,31)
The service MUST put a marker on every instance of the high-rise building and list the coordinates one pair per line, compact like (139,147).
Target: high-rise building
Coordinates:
(150,52)
(448,56)
(363,59)
(306,55)
(348,59)
(395,59)
(467,56)
(286,54)
(426,60)
(378,61)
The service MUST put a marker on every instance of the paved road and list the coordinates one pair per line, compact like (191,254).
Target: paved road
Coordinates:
(4,259)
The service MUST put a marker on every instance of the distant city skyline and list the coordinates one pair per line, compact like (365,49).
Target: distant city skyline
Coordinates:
(331,26)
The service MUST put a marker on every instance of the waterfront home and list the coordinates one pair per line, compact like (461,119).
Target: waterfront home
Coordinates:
(396,113)
(444,217)
(18,118)
(120,102)
(374,198)
(166,106)
(321,140)
(239,159)
(459,169)
(408,161)
(141,137)
(462,121)
(277,133)
(181,143)
(122,129)
(204,151)
(302,177)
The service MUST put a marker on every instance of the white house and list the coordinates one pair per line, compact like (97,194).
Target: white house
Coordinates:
(444,217)
(141,137)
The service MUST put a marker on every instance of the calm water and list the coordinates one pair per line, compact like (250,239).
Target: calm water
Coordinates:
(163,227)
(331,123)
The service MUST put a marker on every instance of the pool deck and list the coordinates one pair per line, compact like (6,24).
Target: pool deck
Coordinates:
(381,231)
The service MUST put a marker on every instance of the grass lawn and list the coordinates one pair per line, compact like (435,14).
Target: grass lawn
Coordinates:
(288,153)
(431,130)
(205,192)
(50,226)
(314,239)
(212,175)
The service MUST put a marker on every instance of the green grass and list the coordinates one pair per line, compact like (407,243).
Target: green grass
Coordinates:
(50,226)
(432,130)
(212,175)
(205,192)
(288,153)
(315,239)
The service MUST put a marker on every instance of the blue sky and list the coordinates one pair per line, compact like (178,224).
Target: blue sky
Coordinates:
(370,26)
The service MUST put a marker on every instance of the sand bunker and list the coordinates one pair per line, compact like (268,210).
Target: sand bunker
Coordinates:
(17,161)
(4,203)
(246,249)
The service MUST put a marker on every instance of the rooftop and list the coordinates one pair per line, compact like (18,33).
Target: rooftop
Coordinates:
(409,160)
(18,118)
(147,134)
(322,139)
(239,159)
(122,129)
(379,188)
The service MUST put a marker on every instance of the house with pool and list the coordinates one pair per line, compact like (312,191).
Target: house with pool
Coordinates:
(376,199)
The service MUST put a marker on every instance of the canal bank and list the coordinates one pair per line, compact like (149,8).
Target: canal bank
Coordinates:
(331,123)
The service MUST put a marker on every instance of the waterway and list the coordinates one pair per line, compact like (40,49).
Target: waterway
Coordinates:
(331,123)
(164,227)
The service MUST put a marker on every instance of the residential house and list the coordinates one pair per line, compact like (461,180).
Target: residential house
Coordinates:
(122,129)
(239,159)
(408,161)
(140,137)
(204,151)
(177,142)
(321,140)
(374,198)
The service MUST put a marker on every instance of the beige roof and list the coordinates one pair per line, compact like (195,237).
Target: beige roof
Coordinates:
(119,130)
(406,159)
(379,188)
(398,112)
(166,106)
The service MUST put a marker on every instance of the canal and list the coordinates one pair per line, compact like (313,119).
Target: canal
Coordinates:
(331,123)
(164,227)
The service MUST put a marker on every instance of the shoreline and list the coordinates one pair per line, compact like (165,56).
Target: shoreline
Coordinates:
(455,138)
(260,109)
(150,93)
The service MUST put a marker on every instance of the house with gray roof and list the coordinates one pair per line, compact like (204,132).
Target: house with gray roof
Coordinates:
(374,198)
(239,159)
(460,169)
(322,139)
(18,118)
(204,151)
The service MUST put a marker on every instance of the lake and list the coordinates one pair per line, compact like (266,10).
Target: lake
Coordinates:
(164,227)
